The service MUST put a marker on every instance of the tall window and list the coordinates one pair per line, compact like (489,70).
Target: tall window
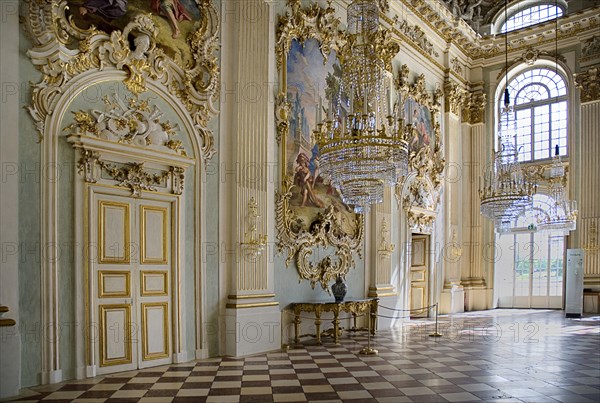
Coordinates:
(531,16)
(540,112)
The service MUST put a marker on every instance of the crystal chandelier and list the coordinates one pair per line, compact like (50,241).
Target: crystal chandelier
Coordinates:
(362,147)
(562,215)
(505,191)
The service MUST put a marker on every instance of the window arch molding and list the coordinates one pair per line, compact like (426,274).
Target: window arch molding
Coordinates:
(543,62)
(498,20)
(515,71)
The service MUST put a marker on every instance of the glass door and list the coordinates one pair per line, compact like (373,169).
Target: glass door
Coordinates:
(538,270)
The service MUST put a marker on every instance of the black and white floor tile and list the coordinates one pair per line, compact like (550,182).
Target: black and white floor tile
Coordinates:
(492,356)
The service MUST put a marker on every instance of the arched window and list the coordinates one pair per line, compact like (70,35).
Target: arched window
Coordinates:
(531,16)
(540,113)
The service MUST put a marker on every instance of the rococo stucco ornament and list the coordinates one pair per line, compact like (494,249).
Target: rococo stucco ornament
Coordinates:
(324,231)
(312,22)
(131,121)
(419,195)
(66,53)
(330,228)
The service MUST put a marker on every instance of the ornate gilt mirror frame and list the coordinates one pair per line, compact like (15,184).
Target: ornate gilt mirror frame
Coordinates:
(419,194)
(301,229)
(186,65)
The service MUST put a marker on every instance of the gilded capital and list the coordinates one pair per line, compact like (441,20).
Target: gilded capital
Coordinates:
(456,97)
(474,108)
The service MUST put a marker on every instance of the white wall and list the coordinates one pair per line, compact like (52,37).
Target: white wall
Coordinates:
(10,343)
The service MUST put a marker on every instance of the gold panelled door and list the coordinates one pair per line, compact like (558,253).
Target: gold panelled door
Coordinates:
(419,275)
(130,294)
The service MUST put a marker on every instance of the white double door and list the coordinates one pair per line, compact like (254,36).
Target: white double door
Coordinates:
(530,270)
(130,282)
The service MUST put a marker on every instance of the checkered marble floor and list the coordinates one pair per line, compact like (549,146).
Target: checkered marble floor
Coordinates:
(493,356)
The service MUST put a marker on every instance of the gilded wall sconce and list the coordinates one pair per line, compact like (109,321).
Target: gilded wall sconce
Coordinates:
(385,247)
(254,243)
(592,247)
(454,247)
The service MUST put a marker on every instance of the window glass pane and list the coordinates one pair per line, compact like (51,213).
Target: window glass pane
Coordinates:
(541,132)
(531,16)
(539,252)
(557,248)
(559,127)
(531,93)
(540,114)
(522,264)
(523,141)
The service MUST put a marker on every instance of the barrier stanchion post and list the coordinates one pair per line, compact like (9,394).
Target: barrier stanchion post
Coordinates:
(435,333)
(368,350)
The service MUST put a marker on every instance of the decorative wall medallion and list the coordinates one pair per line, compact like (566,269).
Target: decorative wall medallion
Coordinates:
(310,213)
(71,41)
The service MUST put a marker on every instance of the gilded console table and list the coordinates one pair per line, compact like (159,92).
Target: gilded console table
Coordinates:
(354,307)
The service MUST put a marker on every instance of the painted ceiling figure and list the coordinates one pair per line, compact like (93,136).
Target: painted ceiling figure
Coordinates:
(109,9)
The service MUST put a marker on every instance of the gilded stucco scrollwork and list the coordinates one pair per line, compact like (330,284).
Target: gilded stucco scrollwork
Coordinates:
(128,121)
(63,52)
(588,83)
(416,90)
(300,233)
(420,223)
(419,195)
(282,116)
(324,231)
(303,23)
(131,175)
(540,174)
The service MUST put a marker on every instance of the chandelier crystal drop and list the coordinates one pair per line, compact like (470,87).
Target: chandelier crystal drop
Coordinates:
(562,215)
(362,146)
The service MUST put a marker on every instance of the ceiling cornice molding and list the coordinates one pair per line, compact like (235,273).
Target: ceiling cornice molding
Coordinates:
(455,31)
